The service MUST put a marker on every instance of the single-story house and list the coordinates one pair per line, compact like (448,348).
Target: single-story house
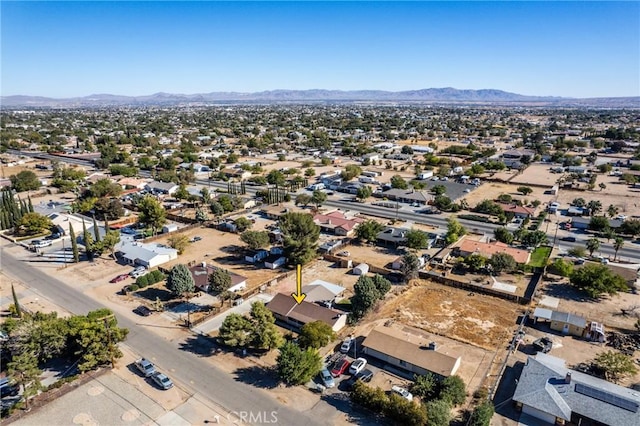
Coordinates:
(517,154)
(149,255)
(408,196)
(286,310)
(408,351)
(563,322)
(161,187)
(327,246)
(392,236)
(256,256)
(129,182)
(337,223)
(237,173)
(518,211)
(370,157)
(201,272)
(583,223)
(469,247)
(322,291)
(549,391)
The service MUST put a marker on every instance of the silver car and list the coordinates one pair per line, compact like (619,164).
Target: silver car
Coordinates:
(162,380)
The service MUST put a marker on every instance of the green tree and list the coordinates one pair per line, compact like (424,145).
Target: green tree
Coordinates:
(503,235)
(25,180)
(296,366)
(617,245)
(403,412)
(315,334)
(365,296)
(562,268)
(104,188)
(219,280)
(534,239)
(303,200)
(630,227)
(363,193)
(398,181)
(180,281)
(368,231)
(417,239)
(439,190)
(152,213)
(615,365)
(503,262)
(577,251)
(410,266)
(597,280)
(454,231)
(453,389)
(300,237)
(592,245)
(310,172)
(438,412)
(264,334)
(598,223)
(475,262)
(181,193)
(255,239)
(235,331)
(34,223)
(350,171)
(243,224)
(382,284)
(87,240)
(23,371)
(318,197)
(424,386)
(216,208)
(276,177)
(109,242)
(612,210)
(595,207)
(201,215)
(525,190)
(481,415)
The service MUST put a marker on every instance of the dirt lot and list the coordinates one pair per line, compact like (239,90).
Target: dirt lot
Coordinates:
(537,174)
(482,321)
(491,191)
(616,193)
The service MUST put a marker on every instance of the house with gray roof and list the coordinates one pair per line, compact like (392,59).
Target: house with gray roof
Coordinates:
(148,255)
(408,196)
(549,391)
(564,322)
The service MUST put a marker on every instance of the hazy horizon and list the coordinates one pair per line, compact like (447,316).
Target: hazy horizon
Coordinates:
(77,49)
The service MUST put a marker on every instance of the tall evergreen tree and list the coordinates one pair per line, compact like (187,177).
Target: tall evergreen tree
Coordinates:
(30,205)
(88,242)
(96,231)
(74,244)
(16,303)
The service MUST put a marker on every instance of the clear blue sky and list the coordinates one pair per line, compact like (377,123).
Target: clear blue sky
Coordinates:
(575,49)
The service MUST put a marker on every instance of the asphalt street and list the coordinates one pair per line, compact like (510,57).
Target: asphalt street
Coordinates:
(192,373)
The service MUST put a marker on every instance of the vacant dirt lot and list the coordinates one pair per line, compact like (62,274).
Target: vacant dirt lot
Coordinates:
(537,174)
(616,193)
(480,320)
(491,191)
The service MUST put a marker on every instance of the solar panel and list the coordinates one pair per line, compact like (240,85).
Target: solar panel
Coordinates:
(607,397)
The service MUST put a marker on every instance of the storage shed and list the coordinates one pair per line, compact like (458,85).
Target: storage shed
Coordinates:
(361,269)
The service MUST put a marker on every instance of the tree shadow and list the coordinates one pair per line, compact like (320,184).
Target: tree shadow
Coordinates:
(502,399)
(567,292)
(260,377)
(152,293)
(341,402)
(199,345)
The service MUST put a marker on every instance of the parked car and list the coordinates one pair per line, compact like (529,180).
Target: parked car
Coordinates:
(364,375)
(357,366)
(7,389)
(162,380)
(344,253)
(41,243)
(346,345)
(119,278)
(402,392)
(326,378)
(137,270)
(145,366)
(143,311)
(543,344)
(340,367)
(195,239)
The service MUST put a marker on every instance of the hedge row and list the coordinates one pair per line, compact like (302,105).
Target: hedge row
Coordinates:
(148,279)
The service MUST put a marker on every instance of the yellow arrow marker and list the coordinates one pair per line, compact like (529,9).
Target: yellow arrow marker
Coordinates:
(298,295)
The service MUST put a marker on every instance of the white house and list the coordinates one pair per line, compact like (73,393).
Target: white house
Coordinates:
(149,255)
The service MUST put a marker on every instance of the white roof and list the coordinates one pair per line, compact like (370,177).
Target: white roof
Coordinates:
(333,288)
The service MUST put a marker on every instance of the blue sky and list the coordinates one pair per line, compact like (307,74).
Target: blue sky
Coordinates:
(574,49)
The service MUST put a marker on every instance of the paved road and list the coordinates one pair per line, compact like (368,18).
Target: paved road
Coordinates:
(630,251)
(192,373)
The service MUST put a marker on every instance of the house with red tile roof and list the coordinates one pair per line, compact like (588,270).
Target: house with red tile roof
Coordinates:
(337,223)
(469,247)
(518,211)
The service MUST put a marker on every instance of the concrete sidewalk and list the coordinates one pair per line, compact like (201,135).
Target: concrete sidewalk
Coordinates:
(214,323)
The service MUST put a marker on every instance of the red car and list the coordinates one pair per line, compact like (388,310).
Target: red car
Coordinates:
(340,367)
(119,278)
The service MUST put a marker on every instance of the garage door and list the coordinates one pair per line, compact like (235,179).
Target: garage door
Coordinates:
(548,418)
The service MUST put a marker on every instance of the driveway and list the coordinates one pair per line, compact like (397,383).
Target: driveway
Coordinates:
(214,323)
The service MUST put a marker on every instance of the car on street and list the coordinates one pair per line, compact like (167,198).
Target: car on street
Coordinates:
(162,381)
(142,311)
(145,366)
(346,345)
(569,239)
(364,375)
(327,379)
(357,366)
(119,278)
(340,367)
(543,344)
(402,392)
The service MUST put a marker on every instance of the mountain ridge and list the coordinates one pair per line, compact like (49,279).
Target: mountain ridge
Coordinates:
(434,95)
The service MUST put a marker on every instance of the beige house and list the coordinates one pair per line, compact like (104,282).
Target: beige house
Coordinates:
(285,309)
(563,322)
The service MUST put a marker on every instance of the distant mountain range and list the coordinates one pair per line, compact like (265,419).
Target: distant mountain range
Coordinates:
(446,95)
